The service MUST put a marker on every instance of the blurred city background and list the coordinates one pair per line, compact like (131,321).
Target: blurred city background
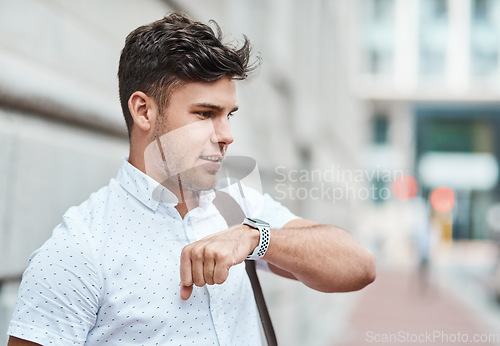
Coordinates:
(380,116)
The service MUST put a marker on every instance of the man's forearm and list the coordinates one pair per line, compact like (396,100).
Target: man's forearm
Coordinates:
(323,257)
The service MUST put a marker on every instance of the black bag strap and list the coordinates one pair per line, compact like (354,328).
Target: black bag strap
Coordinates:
(234,215)
(228,208)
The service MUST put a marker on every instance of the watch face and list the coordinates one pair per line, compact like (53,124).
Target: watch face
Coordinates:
(258,222)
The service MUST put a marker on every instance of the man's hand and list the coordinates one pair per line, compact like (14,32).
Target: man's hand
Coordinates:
(207,261)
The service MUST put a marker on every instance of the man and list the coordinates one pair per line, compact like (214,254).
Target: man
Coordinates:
(110,272)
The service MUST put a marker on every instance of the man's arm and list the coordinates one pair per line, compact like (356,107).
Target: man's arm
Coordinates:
(13,341)
(323,257)
(59,295)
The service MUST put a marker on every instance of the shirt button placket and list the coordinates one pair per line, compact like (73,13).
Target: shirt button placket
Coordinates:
(218,315)
(189,230)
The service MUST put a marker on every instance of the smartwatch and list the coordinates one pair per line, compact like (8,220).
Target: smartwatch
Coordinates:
(264,237)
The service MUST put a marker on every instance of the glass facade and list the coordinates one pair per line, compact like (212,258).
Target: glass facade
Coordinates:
(441,57)
(379,37)
(433,37)
(380,129)
(449,128)
(485,37)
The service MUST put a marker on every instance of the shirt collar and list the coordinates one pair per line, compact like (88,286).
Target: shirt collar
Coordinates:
(206,198)
(147,190)
(150,192)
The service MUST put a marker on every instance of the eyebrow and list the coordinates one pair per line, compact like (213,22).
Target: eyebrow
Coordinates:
(214,107)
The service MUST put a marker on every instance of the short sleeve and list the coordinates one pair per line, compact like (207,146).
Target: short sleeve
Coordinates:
(263,206)
(59,295)
(276,212)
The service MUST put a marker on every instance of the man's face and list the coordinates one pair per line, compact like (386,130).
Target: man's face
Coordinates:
(193,133)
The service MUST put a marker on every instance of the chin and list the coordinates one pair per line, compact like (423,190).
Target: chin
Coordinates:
(199,182)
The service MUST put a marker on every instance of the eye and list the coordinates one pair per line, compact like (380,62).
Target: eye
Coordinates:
(205,114)
(230,115)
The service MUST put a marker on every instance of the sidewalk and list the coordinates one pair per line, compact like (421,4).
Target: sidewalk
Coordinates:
(398,309)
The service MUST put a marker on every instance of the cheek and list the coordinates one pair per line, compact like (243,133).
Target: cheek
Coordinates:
(187,136)
(196,136)
(185,144)
(200,129)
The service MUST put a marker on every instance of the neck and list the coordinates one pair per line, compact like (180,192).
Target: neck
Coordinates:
(137,160)
(188,199)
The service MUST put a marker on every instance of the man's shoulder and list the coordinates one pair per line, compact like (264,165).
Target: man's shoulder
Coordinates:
(95,206)
(80,224)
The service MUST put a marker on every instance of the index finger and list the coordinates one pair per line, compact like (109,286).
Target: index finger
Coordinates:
(185,267)
(186,292)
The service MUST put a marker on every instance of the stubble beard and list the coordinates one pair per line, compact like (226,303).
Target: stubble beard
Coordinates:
(195,179)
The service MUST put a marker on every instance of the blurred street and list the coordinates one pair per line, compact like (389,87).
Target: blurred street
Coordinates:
(454,305)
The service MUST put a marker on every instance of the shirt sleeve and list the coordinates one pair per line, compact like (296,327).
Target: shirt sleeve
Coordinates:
(274,211)
(264,207)
(59,295)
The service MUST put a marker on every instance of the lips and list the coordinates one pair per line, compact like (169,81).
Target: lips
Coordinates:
(215,158)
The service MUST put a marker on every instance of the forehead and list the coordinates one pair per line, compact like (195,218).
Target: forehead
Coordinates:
(221,93)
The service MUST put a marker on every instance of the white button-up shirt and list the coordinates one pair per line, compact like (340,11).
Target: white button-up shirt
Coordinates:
(110,273)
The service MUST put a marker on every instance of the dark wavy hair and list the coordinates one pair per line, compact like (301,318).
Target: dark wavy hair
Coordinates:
(175,50)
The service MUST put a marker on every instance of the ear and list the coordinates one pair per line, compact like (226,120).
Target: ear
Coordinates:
(143,110)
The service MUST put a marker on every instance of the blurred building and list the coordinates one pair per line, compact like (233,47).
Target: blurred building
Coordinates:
(350,95)
(428,72)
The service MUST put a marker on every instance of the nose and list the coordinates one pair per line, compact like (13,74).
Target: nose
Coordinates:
(222,131)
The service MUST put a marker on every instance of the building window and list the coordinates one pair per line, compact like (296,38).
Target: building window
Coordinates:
(379,188)
(458,135)
(378,36)
(485,37)
(433,37)
(380,129)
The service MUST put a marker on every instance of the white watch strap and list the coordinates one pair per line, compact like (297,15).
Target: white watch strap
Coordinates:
(261,249)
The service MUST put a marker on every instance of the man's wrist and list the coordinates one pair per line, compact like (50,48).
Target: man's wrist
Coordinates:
(253,236)
(263,228)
